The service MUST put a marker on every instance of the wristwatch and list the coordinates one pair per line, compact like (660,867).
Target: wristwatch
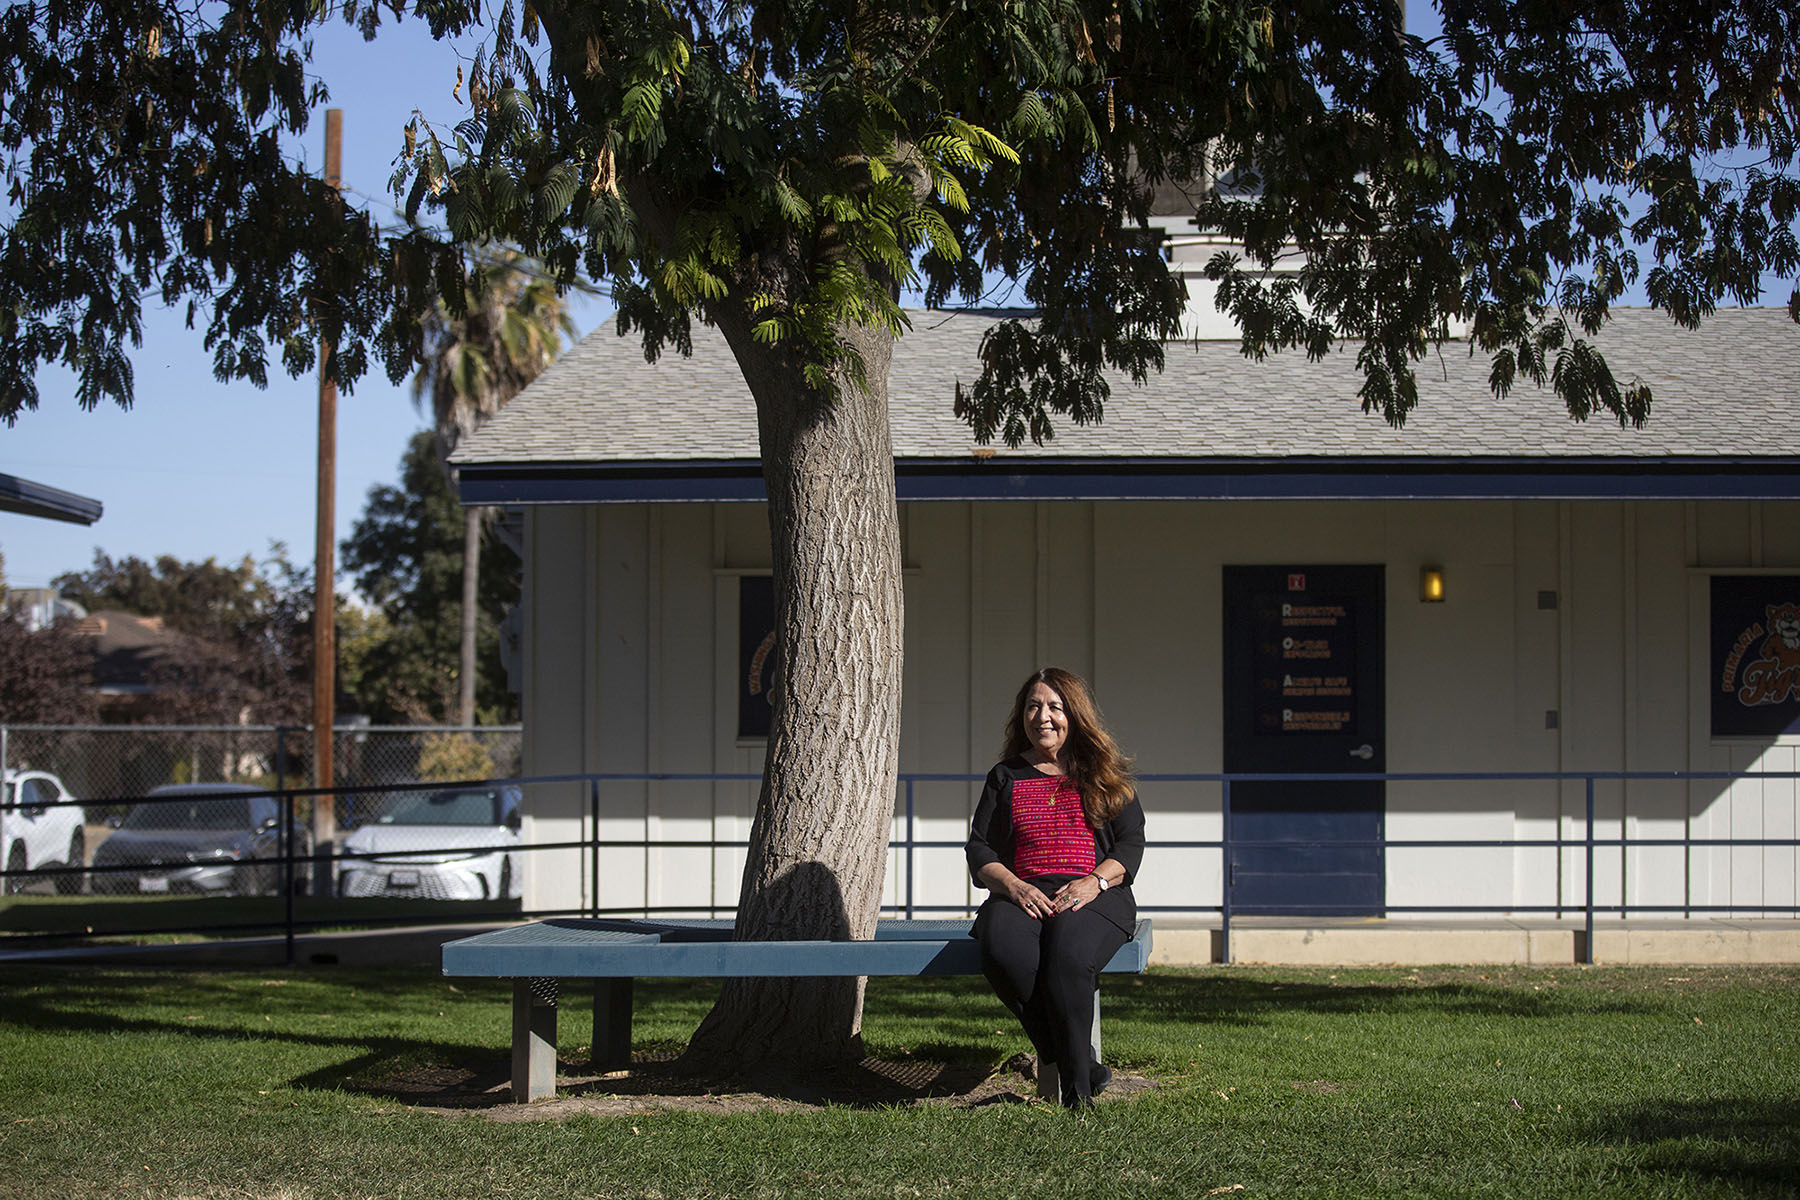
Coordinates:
(1100,879)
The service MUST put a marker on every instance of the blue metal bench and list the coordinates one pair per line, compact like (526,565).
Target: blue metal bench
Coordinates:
(615,952)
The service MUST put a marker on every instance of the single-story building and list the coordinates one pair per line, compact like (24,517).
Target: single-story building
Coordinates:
(1256,576)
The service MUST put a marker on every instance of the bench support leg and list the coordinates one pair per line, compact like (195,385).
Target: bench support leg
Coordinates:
(533,1040)
(1049,1083)
(612,1024)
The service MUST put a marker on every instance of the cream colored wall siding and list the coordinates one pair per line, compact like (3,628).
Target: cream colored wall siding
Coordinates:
(1536,672)
(1776,539)
(623,691)
(1656,687)
(559,690)
(1450,699)
(1724,533)
(1780,817)
(1777,528)
(683,724)
(740,547)
(1129,594)
(938,734)
(1156,650)
(1729,538)
(1709,869)
(734,801)
(1594,734)
(1757,537)
(1065,621)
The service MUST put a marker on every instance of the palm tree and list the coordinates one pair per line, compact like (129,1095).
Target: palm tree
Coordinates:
(510,327)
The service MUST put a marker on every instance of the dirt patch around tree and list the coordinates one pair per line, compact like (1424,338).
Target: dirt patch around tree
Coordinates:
(652,1084)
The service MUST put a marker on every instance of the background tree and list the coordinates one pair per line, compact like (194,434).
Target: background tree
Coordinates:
(46,675)
(244,633)
(406,552)
(782,170)
(483,344)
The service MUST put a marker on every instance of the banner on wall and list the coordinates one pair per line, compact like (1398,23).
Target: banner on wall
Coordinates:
(1755,678)
(757,657)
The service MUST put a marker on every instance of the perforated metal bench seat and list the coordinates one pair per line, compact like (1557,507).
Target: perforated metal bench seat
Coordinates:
(615,952)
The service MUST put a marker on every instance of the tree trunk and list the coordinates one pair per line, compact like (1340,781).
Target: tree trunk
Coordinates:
(471,577)
(818,845)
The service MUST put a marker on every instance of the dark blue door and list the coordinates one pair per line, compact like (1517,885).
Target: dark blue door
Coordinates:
(1305,694)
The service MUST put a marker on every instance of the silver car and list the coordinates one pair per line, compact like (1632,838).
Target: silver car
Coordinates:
(452,844)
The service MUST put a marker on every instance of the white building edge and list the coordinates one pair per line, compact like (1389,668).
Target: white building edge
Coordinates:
(1588,572)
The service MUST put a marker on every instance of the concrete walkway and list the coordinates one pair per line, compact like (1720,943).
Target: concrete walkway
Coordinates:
(1367,941)
(1180,941)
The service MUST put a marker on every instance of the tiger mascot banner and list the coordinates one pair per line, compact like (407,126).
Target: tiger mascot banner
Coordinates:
(1755,655)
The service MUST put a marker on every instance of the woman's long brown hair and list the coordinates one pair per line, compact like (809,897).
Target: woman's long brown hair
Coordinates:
(1092,759)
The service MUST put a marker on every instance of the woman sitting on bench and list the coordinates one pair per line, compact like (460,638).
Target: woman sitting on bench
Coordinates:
(1057,837)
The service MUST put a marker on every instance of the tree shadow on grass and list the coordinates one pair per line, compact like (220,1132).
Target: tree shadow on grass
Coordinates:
(961,1009)
(229,1006)
(655,1080)
(1747,1143)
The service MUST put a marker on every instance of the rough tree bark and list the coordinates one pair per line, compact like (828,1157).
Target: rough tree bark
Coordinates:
(818,844)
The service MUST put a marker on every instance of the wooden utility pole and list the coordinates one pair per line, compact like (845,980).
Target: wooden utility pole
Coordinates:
(325,553)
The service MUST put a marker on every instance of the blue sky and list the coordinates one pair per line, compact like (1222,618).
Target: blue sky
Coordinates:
(200,469)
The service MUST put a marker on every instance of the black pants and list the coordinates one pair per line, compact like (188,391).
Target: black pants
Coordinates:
(1044,971)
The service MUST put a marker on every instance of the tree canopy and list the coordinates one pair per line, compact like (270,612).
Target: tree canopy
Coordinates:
(1520,172)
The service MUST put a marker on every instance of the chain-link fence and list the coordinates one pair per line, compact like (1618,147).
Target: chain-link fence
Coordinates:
(102,764)
(92,779)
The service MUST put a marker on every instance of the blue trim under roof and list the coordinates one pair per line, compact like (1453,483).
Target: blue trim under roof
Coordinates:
(1044,478)
(41,500)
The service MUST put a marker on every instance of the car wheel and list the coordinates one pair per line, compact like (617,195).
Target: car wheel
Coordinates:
(15,869)
(70,884)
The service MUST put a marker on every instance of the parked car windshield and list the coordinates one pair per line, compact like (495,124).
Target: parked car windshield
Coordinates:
(454,807)
(190,812)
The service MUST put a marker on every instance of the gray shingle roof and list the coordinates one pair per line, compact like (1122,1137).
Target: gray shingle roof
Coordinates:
(1731,389)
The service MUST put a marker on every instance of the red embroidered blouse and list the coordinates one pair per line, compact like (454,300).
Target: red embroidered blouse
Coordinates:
(1052,833)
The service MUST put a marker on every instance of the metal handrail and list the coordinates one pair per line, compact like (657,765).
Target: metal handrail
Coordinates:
(909,844)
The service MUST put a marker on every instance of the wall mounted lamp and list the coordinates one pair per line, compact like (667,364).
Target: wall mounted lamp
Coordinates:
(1431,585)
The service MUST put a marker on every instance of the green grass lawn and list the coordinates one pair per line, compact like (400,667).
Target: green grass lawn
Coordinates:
(1543,1083)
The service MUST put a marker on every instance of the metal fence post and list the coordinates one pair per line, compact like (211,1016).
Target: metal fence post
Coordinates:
(287,835)
(286,842)
(912,837)
(281,768)
(1225,872)
(594,848)
(1587,955)
(1687,851)
(1560,877)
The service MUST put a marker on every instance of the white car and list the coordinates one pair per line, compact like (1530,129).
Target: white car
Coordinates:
(41,826)
(453,844)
